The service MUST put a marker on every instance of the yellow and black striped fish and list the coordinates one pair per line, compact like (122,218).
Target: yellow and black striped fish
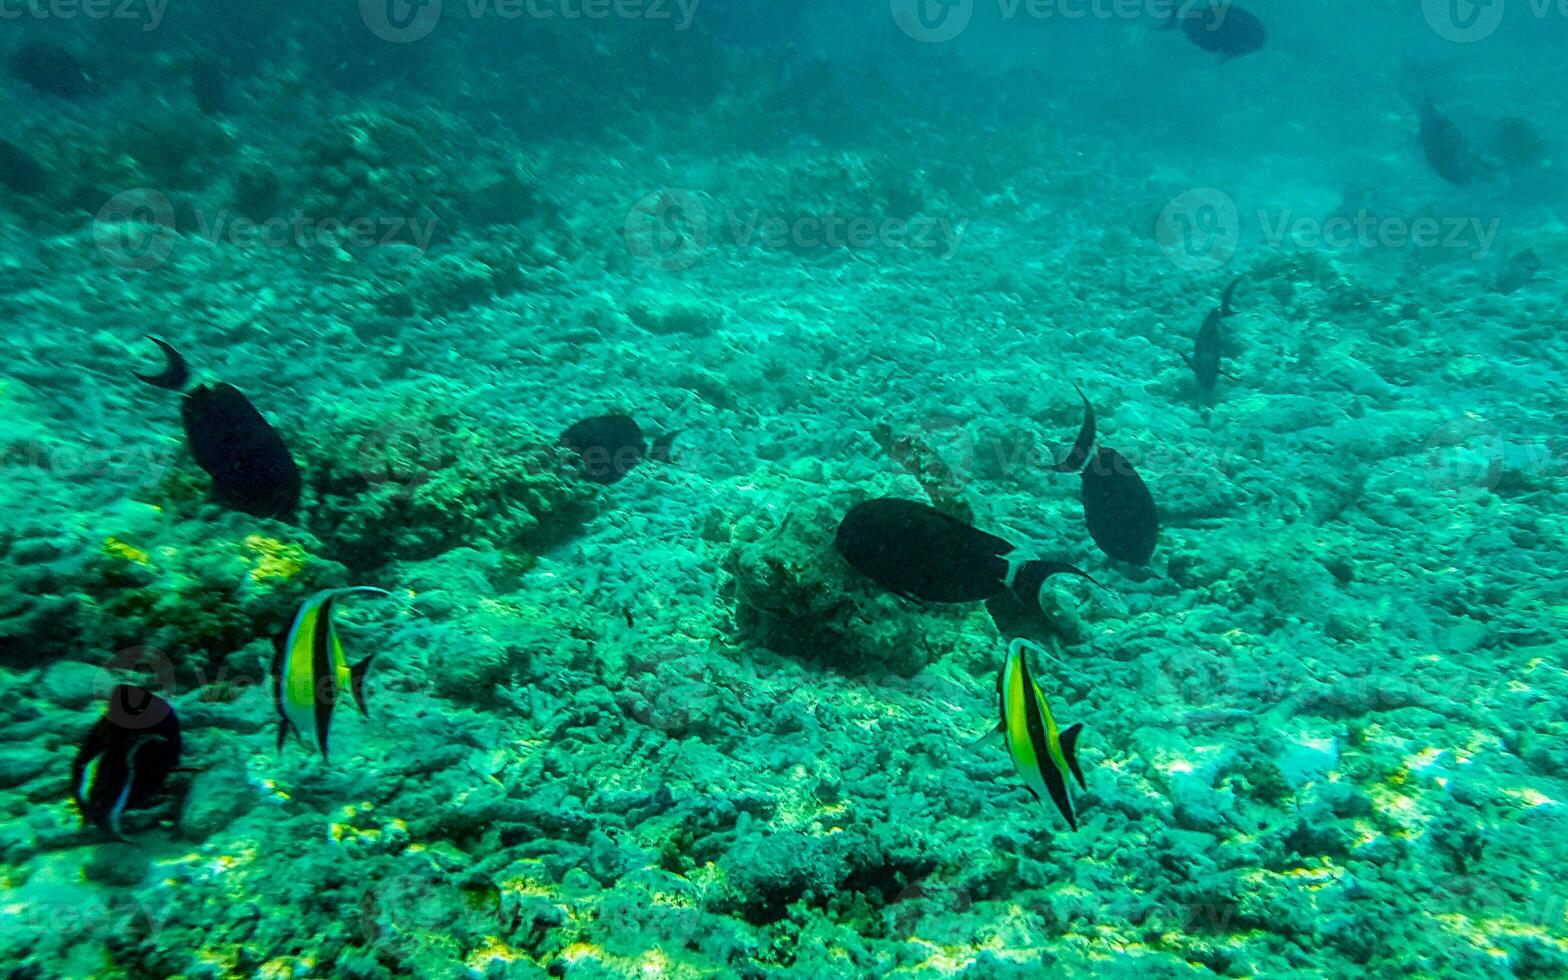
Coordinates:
(311,672)
(1042,754)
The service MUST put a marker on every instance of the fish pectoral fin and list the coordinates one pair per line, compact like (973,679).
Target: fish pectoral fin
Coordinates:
(1069,739)
(989,738)
(357,683)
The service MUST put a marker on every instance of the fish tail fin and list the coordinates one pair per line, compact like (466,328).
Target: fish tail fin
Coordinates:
(662,445)
(1069,739)
(356,681)
(1226,310)
(1030,579)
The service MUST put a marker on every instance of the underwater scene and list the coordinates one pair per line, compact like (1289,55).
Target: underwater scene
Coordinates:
(767,488)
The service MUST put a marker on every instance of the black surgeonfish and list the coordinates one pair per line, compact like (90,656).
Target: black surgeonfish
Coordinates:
(1219,26)
(176,373)
(1119,509)
(1448,151)
(1079,454)
(52,70)
(250,466)
(917,552)
(1043,754)
(312,672)
(126,758)
(1210,344)
(609,446)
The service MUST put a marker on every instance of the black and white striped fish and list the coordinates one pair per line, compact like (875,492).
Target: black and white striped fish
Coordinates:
(126,758)
(1043,755)
(312,671)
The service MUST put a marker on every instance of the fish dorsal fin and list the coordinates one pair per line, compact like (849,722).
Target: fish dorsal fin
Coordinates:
(1069,739)
(356,679)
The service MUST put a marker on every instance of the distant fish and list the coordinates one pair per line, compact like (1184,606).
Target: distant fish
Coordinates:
(610,446)
(1519,144)
(1043,755)
(915,551)
(126,758)
(1447,149)
(311,672)
(1519,271)
(176,373)
(1119,509)
(209,86)
(1219,26)
(250,466)
(1079,454)
(1210,344)
(20,171)
(52,70)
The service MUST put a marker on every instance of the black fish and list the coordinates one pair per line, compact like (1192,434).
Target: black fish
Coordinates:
(1210,345)
(609,446)
(915,551)
(126,758)
(176,373)
(1219,26)
(209,87)
(251,468)
(1518,272)
(20,172)
(52,70)
(1447,149)
(1079,454)
(1119,509)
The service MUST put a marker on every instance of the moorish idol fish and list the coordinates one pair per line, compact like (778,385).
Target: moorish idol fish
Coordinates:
(126,757)
(609,446)
(918,552)
(311,671)
(1042,754)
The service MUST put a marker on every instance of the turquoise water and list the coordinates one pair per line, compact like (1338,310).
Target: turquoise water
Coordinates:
(576,334)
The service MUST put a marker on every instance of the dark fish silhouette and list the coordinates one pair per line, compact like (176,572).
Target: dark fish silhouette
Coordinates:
(1448,151)
(1219,26)
(610,446)
(176,373)
(126,758)
(915,551)
(1518,272)
(1210,344)
(52,70)
(1079,454)
(251,468)
(1119,509)
(20,171)
(1519,144)
(209,86)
